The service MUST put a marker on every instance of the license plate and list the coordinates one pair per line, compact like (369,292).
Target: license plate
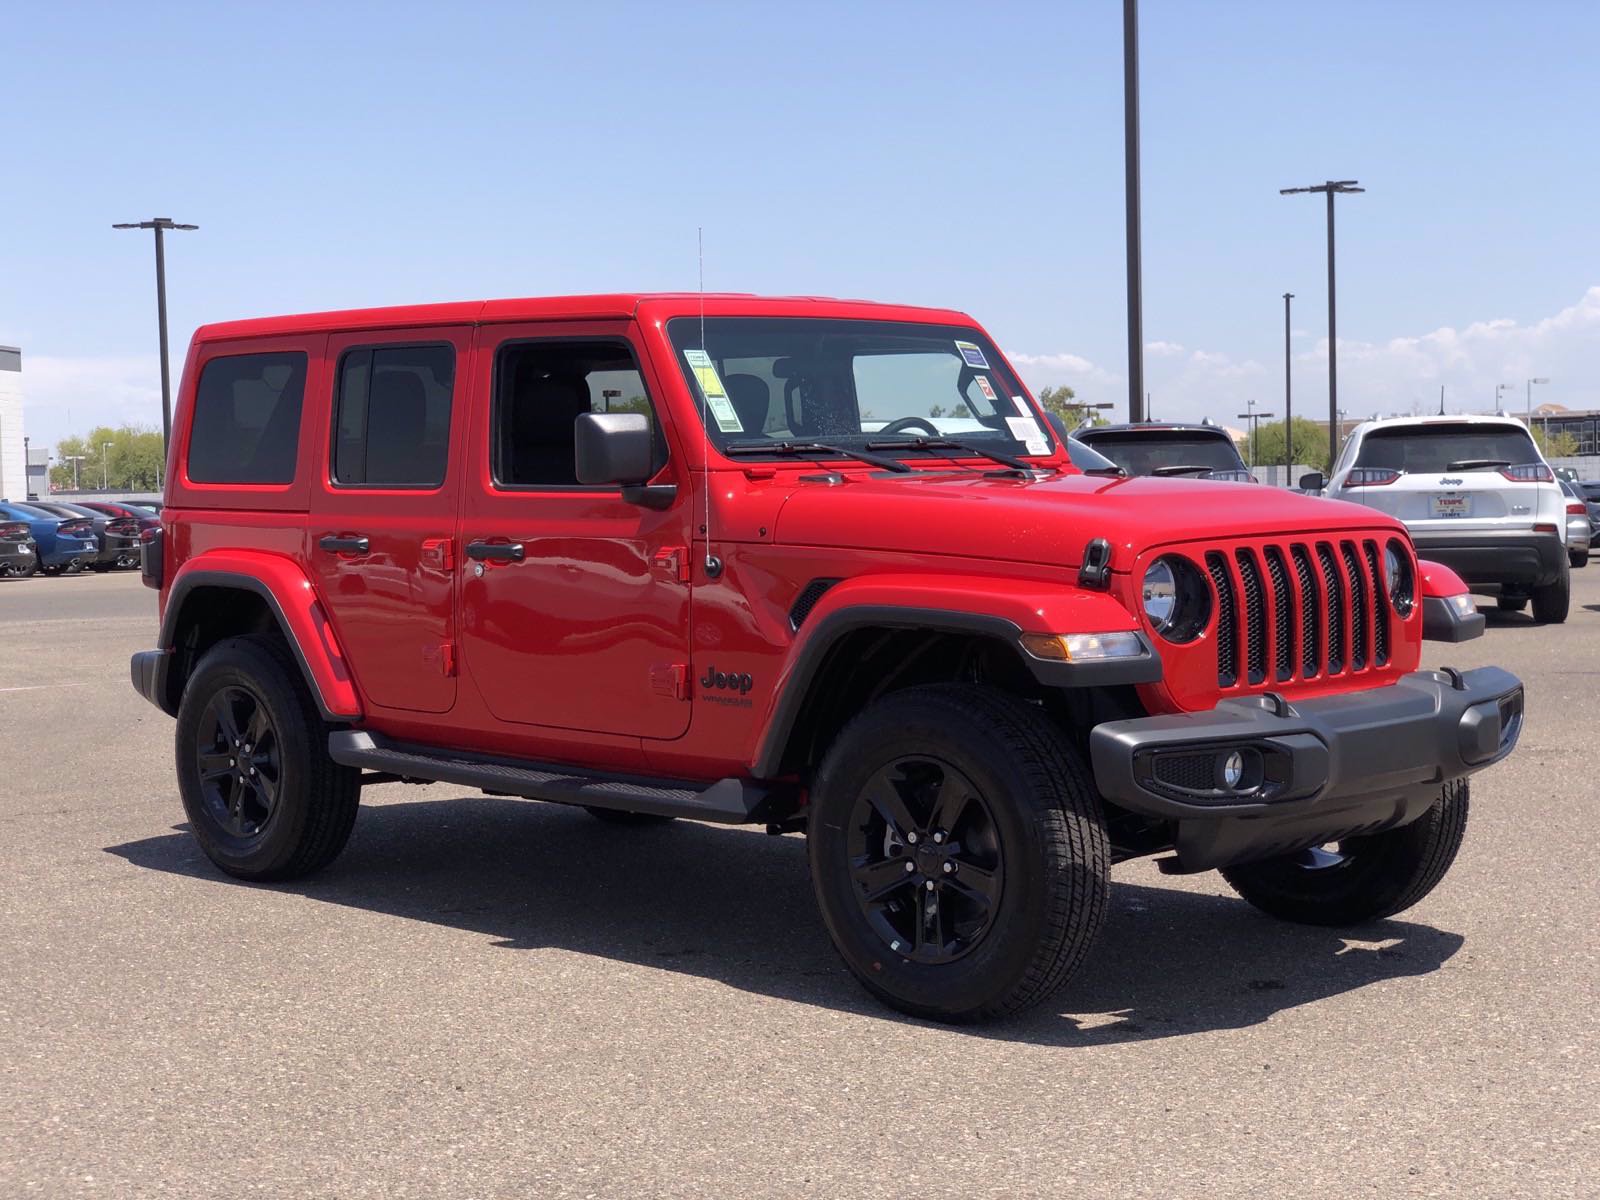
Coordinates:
(1451,504)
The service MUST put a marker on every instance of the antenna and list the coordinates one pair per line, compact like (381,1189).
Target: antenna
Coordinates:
(713,563)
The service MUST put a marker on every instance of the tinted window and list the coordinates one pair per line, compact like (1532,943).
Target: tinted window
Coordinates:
(1441,446)
(541,388)
(1167,452)
(392,416)
(247,419)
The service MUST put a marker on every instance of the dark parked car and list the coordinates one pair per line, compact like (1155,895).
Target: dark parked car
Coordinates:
(1150,448)
(144,514)
(117,535)
(64,544)
(18,553)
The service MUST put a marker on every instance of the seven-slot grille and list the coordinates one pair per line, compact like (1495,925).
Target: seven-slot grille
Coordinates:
(1300,610)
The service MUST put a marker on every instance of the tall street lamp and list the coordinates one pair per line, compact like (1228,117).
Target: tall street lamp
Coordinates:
(1332,188)
(74,459)
(1504,387)
(105,466)
(1531,382)
(161,225)
(1085,409)
(1130,157)
(1288,407)
(1253,418)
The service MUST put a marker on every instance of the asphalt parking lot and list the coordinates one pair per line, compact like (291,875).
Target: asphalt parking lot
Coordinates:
(487,998)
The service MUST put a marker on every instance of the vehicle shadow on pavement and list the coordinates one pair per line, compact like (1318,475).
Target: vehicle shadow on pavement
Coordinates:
(735,906)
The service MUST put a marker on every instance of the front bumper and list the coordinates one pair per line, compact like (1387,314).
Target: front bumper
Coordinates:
(1521,558)
(148,669)
(1314,771)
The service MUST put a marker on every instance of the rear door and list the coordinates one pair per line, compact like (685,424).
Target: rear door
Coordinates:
(383,509)
(1474,477)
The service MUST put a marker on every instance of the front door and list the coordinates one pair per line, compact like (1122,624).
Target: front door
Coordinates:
(574,602)
(382,531)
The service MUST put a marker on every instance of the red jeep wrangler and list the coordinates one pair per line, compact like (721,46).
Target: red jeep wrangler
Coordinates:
(814,564)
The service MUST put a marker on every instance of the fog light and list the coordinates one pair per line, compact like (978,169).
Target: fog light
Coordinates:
(1462,604)
(1233,770)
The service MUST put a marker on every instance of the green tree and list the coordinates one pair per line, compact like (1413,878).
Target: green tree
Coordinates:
(1063,402)
(1266,448)
(126,459)
(1555,443)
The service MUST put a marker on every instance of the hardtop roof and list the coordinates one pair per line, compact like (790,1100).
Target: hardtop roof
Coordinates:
(622,305)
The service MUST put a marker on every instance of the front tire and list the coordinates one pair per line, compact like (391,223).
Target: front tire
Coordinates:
(1365,878)
(1578,559)
(262,796)
(1550,603)
(958,852)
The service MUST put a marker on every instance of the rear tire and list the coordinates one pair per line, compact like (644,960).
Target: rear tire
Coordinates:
(958,852)
(1578,559)
(263,798)
(1550,603)
(1369,878)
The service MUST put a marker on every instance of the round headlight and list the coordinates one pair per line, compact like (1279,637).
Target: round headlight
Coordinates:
(1397,574)
(1177,602)
(1160,594)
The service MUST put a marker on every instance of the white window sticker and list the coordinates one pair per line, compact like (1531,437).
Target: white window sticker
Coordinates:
(1026,430)
(972,355)
(986,388)
(1022,405)
(705,374)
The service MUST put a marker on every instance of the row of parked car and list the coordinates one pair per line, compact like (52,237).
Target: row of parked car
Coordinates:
(53,537)
(1474,491)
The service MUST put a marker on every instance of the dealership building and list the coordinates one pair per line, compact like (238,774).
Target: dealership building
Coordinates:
(13,455)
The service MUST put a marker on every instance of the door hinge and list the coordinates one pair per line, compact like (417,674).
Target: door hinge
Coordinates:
(670,679)
(439,553)
(673,561)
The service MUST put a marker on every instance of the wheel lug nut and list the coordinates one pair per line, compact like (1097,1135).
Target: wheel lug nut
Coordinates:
(911,837)
(233,762)
(939,837)
(910,867)
(949,868)
(929,885)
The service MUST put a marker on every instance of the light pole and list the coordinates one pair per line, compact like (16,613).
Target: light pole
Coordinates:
(1130,158)
(1503,387)
(1531,382)
(1288,406)
(1085,409)
(161,225)
(1332,188)
(1252,418)
(74,459)
(105,465)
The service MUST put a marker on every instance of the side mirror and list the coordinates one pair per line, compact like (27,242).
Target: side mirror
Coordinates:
(612,448)
(1313,482)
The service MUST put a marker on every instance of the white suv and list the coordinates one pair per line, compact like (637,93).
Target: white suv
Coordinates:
(1476,495)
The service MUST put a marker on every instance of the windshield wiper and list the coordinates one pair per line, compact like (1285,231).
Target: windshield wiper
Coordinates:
(813,450)
(1188,469)
(944,443)
(1474,464)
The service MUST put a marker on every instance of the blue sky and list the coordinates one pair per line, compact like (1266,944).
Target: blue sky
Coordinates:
(340,155)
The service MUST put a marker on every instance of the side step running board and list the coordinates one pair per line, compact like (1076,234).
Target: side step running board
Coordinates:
(730,801)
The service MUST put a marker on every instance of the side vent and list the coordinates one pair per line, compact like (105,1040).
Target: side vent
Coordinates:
(807,600)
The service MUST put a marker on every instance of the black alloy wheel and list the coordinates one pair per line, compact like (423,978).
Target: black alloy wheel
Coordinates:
(925,856)
(238,760)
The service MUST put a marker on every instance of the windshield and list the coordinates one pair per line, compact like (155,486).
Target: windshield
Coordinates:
(1427,449)
(853,384)
(1156,451)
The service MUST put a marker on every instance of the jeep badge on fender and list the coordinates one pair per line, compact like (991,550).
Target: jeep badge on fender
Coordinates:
(513,579)
(714,678)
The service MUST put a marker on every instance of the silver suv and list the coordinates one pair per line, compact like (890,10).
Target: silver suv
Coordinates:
(1476,495)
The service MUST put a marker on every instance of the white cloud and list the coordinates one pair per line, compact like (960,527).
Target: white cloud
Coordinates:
(1398,375)
(66,396)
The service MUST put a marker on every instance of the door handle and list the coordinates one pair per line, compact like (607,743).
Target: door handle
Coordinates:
(495,551)
(334,544)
